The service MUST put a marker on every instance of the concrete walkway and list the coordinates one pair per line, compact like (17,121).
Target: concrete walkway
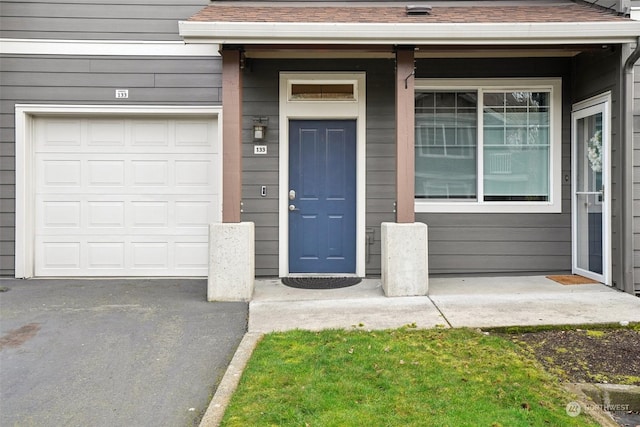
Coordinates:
(452,302)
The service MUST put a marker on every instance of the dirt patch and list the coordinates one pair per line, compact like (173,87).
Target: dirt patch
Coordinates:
(587,355)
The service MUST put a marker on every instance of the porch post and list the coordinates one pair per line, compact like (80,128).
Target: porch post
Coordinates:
(231,135)
(404,246)
(405,133)
(232,242)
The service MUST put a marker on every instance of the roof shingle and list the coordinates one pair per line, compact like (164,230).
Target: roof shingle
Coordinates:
(359,13)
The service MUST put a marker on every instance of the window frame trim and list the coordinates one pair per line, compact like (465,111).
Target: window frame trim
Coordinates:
(554,204)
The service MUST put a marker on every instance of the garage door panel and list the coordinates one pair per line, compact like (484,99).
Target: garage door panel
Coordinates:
(60,214)
(59,173)
(57,133)
(105,173)
(193,213)
(150,255)
(194,133)
(105,214)
(106,255)
(122,256)
(190,255)
(150,133)
(167,135)
(153,173)
(150,214)
(193,173)
(61,255)
(114,214)
(106,133)
(135,199)
(127,174)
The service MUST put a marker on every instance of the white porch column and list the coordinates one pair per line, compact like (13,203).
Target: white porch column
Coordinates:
(405,269)
(231,262)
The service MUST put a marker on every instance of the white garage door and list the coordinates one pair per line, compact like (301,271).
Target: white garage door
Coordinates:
(125,196)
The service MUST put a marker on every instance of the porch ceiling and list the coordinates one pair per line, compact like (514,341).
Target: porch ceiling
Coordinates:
(295,51)
(486,23)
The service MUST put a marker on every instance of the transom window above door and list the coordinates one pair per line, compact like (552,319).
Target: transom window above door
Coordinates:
(487,146)
(322,90)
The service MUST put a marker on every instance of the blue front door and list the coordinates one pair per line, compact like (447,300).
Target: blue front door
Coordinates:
(322,196)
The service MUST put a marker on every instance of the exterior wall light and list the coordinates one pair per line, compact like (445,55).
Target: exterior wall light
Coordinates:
(260,128)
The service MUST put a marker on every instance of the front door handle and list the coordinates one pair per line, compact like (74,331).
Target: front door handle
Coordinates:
(293,208)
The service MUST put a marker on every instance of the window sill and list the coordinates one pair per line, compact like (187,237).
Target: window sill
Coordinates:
(421,206)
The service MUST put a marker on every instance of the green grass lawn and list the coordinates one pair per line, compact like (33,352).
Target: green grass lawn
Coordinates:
(406,377)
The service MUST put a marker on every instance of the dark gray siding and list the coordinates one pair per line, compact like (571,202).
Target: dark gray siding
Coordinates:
(89,80)
(503,243)
(458,243)
(261,99)
(95,19)
(593,74)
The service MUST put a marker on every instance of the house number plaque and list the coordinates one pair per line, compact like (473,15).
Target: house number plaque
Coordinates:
(259,149)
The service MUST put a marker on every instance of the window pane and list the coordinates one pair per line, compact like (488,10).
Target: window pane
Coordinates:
(493,117)
(494,99)
(516,147)
(424,100)
(515,99)
(446,144)
(322,91)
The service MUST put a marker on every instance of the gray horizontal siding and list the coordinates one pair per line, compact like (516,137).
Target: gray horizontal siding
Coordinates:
(98,65)
(503,243)
(261,98)
(95,20)
(460,243)
(89,80)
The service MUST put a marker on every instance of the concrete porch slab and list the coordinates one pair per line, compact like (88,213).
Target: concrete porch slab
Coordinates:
(452,302)
(276,307)
(525,301)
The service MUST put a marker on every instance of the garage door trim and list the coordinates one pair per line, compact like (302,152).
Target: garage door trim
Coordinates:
(25,150)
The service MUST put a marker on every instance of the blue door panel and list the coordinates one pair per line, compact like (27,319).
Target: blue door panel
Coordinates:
(337,157)
(322,172)
(309,139)
(310,244)
(335,242)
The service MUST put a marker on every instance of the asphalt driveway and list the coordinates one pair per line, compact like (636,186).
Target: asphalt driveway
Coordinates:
(112,352)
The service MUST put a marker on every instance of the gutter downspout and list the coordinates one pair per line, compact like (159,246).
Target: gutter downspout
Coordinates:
(627,170)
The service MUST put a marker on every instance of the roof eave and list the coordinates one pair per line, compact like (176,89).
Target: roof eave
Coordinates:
(409,34)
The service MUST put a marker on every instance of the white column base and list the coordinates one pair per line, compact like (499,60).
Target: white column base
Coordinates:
(405,268)
(231,262)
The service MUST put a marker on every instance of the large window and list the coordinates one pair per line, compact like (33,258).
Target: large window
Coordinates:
(487,146)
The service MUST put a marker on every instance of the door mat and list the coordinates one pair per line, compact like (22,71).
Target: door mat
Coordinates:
(572,279)
(320,282)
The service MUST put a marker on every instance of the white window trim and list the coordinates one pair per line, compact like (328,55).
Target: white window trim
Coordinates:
(25,115)
(554,205)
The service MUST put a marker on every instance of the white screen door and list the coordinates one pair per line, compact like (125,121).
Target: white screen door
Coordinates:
(592,190)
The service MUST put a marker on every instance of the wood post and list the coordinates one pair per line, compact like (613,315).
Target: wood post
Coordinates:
(231,135)
(405,135)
